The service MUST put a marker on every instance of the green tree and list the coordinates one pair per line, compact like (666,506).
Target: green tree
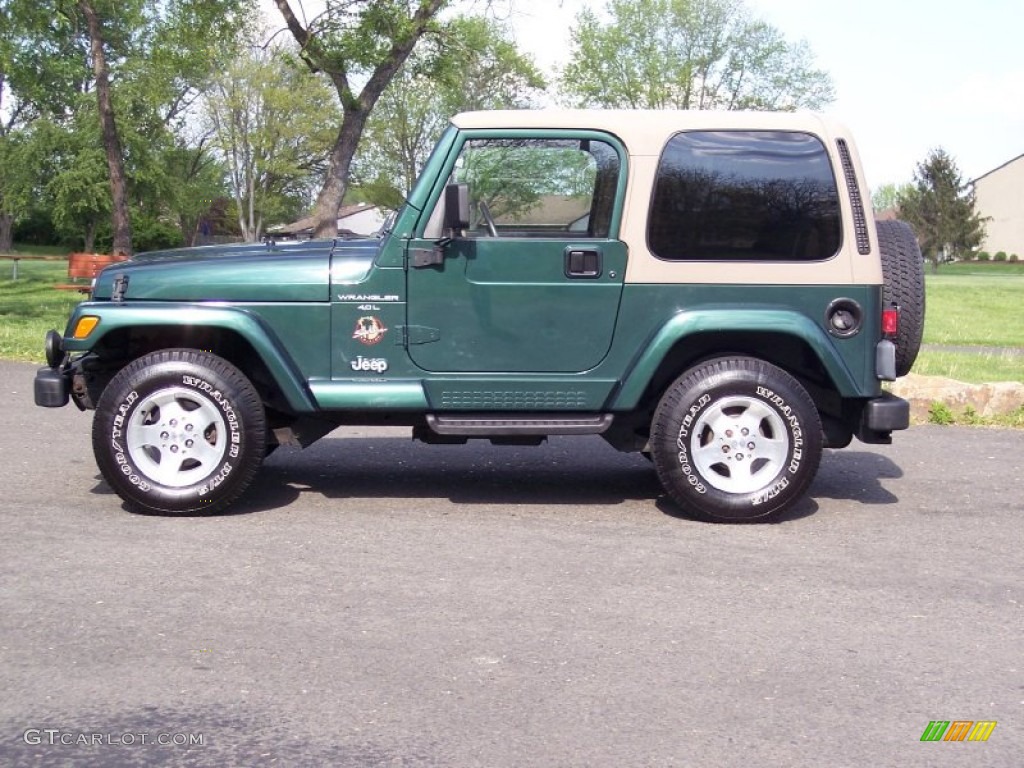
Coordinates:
(940,206)
(141,64)
(79,196)
(352,42)
(272,123)
(196,183)
(16,184)
(122,225)
(688,54)
(888,196)
(473,65)
(17,176)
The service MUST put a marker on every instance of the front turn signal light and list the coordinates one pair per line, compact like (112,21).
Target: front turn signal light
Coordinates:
(85,326)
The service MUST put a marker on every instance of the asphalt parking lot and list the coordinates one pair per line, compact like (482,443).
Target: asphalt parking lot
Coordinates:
(377,602)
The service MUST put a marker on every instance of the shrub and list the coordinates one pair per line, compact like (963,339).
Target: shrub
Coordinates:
(37,229)
(151,234)
(939,413)
(983,256)
(971,416)
(1000,256)
(1016,418)
(1014,257)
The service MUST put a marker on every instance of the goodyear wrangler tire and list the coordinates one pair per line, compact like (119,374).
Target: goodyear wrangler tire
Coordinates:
(736,439)
(179,431)
(903,285)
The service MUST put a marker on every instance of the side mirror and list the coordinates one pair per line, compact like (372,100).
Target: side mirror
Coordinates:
(456,207)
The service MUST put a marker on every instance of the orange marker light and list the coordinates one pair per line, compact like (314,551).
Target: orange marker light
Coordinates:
(85,326)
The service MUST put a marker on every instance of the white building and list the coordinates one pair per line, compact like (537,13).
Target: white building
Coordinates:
(999,196)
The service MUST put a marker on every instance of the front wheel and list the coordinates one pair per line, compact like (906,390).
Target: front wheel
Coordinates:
(179,431)
(736,439)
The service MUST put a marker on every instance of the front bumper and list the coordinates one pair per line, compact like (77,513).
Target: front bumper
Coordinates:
(52,388)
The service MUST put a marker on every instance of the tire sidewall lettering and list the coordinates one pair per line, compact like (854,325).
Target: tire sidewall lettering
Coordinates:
(124,464)
(682,444)
(792,420)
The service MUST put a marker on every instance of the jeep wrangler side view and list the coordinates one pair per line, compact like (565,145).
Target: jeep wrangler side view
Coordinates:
(709,289)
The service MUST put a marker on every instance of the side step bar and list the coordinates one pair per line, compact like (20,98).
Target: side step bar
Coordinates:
(519,425)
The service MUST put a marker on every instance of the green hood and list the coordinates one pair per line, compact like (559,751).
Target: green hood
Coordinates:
(292,272)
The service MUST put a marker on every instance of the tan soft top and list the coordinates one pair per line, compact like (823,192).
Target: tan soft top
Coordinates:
(645,131)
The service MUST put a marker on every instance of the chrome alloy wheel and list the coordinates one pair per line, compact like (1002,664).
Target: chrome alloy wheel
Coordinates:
(176,437)
(739,445)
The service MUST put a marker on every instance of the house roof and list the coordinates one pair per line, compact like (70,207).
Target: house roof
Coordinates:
(999,168)
(309,222)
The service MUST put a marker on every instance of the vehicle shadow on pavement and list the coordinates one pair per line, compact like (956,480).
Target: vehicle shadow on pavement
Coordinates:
(843,476)
(855,476)
(563,472)
(256,499)
(567,472)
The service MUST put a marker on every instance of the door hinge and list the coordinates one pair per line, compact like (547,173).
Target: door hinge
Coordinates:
(418,334)
(418,258)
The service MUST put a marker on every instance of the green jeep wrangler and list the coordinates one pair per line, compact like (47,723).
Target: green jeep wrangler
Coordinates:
(708,289)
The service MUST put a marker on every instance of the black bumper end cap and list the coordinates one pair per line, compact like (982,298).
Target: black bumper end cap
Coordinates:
(882,416)
(52,388)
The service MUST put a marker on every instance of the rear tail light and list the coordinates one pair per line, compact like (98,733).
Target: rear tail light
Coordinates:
(891,322)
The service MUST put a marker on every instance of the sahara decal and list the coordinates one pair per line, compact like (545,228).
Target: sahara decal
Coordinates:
(369,330)
(374,364)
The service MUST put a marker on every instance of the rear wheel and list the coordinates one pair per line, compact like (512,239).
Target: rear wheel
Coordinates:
(179,431)
(903,275)
(736,439)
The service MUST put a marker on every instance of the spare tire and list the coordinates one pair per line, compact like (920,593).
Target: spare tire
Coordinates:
(903,285)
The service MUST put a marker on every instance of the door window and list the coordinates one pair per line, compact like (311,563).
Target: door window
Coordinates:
(539,187)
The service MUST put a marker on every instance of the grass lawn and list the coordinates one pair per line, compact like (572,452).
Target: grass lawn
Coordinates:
(38,250)
(970,309)
(30,305)
(981,268)
(974,304)
(973,368)
(969,304)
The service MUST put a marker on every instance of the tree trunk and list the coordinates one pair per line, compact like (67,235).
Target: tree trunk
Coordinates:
(328,202)
(356,108)
(6,232)
(111,141)
(90,237)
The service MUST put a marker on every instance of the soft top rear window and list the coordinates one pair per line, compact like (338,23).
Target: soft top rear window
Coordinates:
(744,196)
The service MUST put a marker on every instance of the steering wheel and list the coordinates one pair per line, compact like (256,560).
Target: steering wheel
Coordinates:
(485,214)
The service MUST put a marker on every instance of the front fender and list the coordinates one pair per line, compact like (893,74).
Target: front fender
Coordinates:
(249,326)
(752,320)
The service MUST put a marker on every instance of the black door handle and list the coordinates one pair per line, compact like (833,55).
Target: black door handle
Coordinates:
(582,263)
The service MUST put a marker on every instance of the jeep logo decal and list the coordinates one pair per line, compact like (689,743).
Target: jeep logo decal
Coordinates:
(375,364)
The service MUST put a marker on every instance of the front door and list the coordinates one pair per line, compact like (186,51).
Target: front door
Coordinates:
(534,284)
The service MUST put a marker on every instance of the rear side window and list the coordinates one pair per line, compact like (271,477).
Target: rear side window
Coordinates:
(744,196)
